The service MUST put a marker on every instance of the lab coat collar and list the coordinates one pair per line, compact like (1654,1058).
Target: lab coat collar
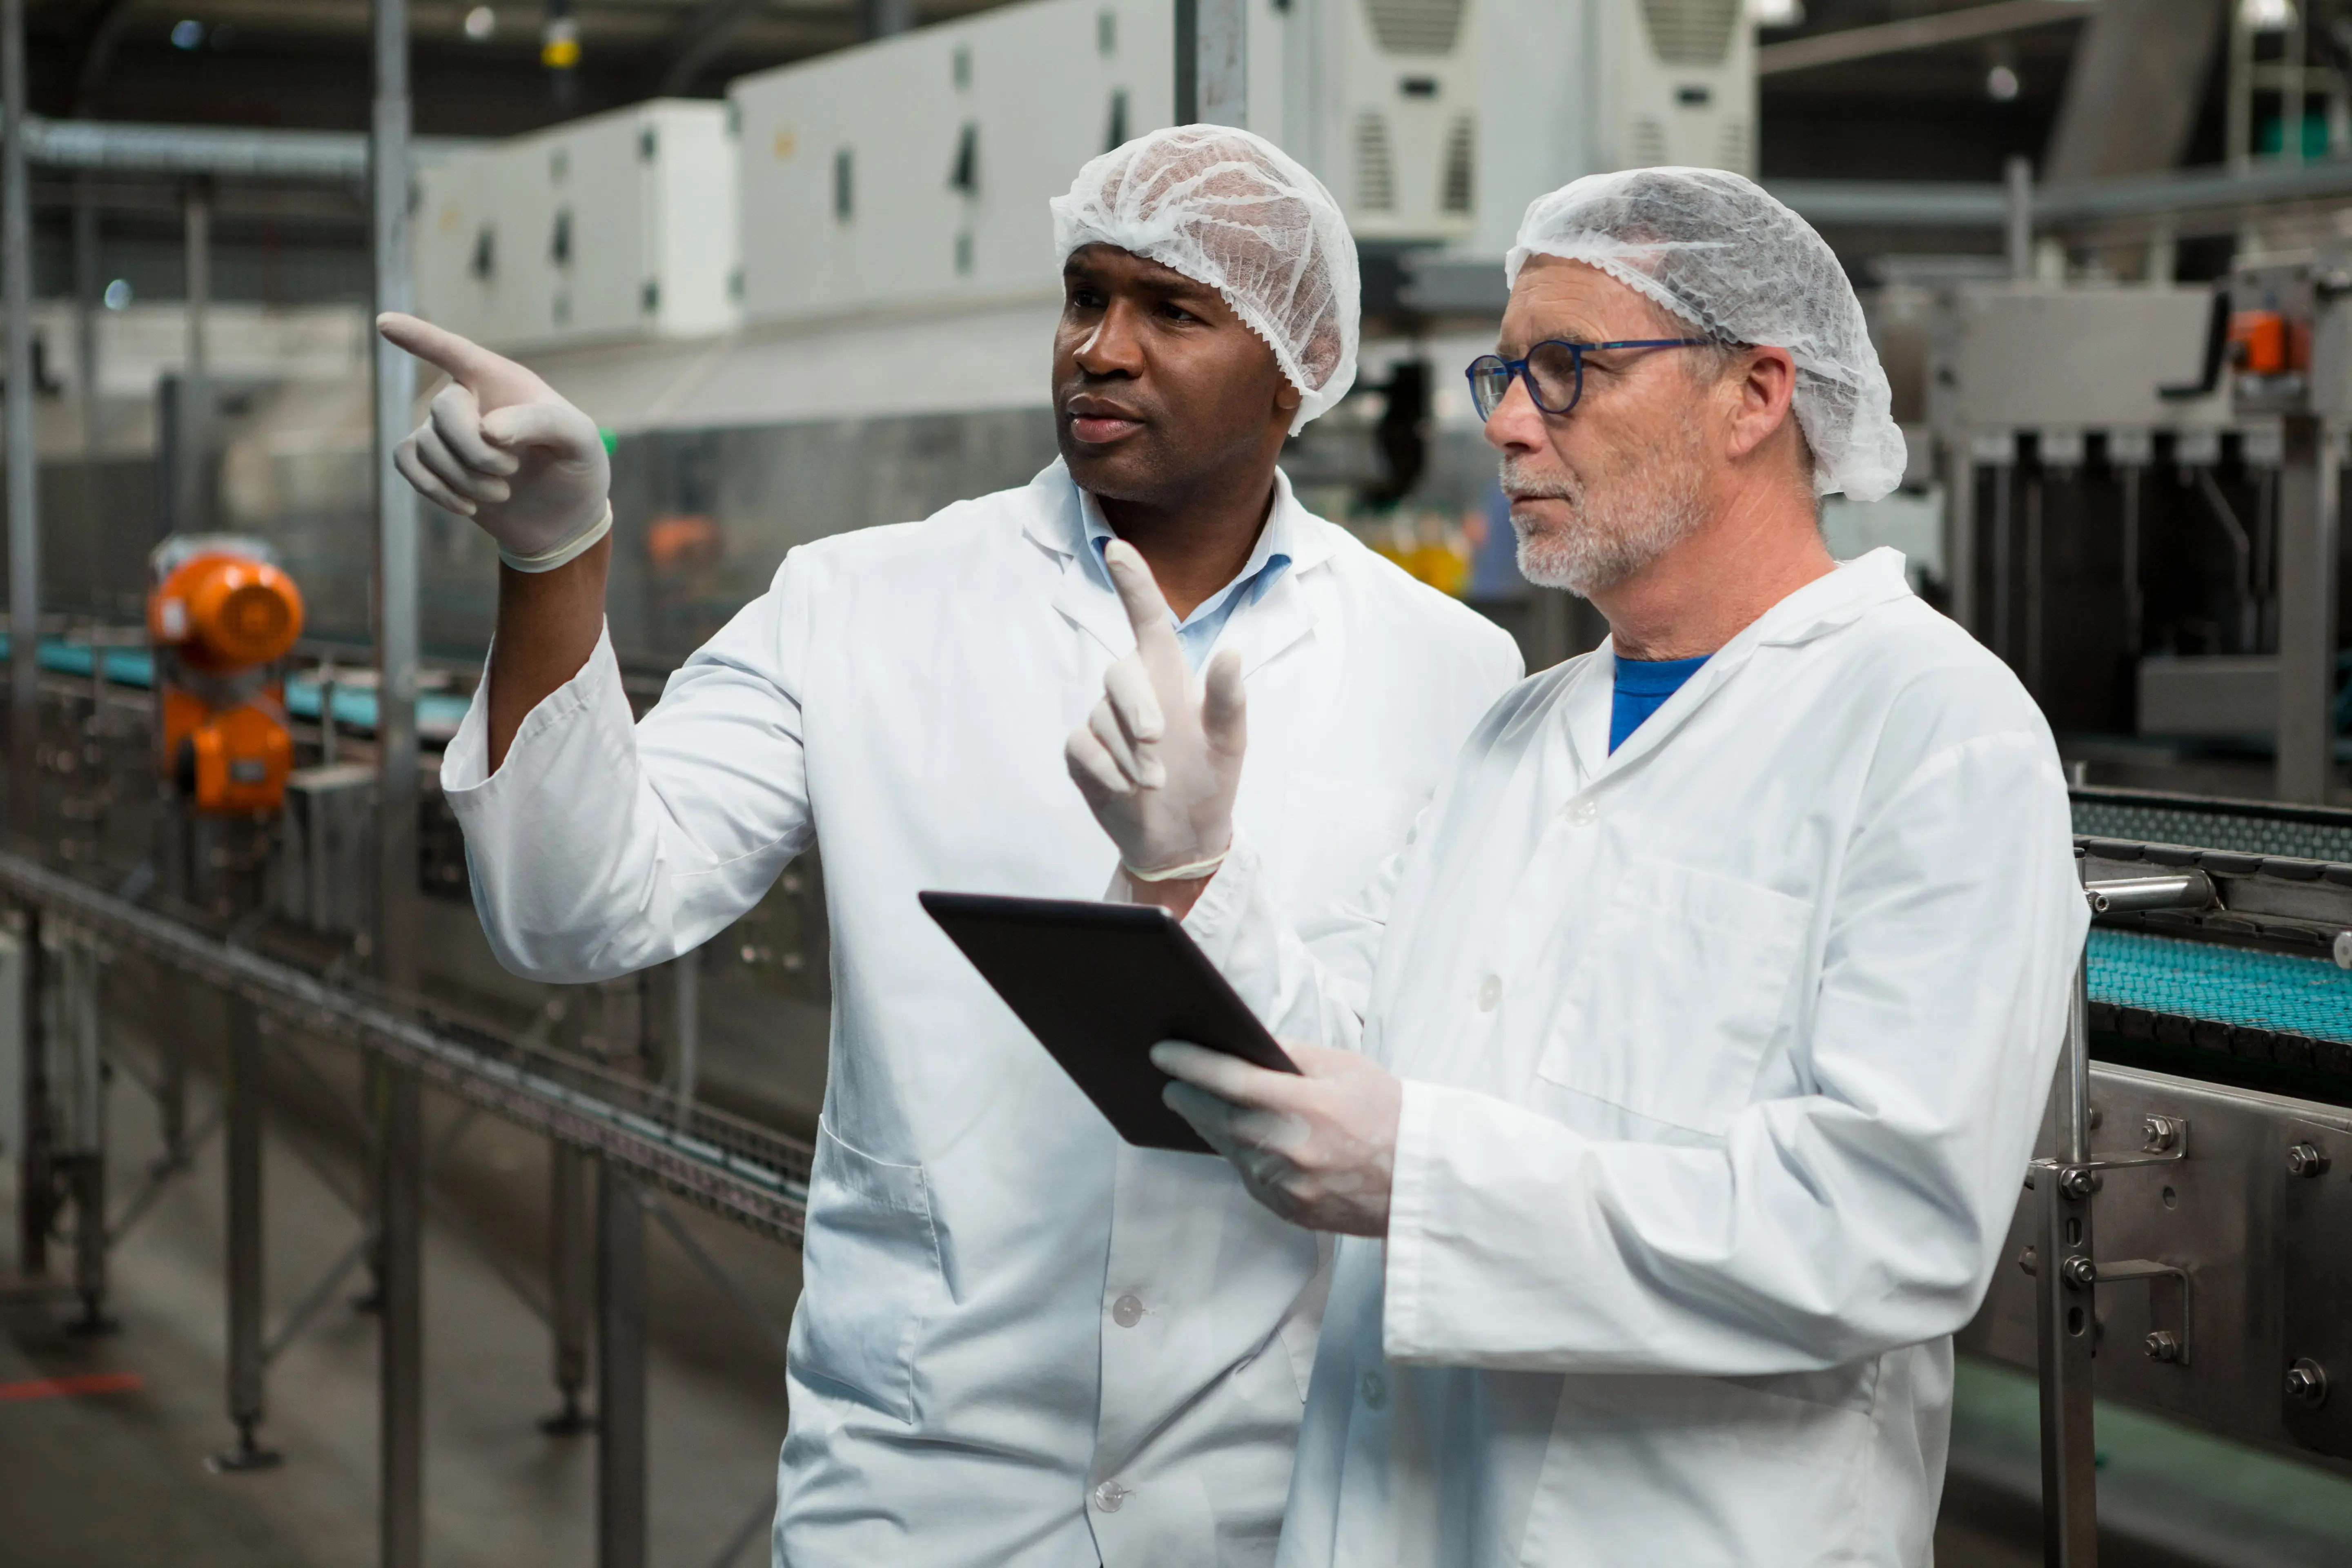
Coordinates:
(1826,604)
(1260,630)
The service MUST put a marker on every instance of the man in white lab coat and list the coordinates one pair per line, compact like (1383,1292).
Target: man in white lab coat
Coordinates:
(1018,1340)
(1706,1023)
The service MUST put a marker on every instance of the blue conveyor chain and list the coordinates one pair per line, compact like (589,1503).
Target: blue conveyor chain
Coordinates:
(2240,988)
(438,712)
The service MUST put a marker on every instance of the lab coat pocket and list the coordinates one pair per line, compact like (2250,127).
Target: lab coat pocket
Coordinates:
(870,1273)
(1676,994)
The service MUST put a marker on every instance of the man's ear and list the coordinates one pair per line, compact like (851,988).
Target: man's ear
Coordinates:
(1762,386)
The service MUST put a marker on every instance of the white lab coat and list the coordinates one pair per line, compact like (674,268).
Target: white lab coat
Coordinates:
(966,1387)
(1722,1060)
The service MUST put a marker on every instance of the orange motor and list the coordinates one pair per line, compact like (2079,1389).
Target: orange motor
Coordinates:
(220,617)
(225,612)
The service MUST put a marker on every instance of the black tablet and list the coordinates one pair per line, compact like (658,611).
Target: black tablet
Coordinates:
(1101,985)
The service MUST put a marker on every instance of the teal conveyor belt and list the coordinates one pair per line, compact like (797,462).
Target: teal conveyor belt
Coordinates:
(2246,990)
(2241,828)
(438,712)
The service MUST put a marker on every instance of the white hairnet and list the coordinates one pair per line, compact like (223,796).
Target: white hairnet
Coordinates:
(1236,212)
(1713,248)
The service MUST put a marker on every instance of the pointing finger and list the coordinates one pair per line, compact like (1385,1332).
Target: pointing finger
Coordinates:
(1146,609)
(467,361)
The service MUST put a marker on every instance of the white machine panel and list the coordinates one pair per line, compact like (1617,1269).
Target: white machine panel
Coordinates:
(615,227)
(918,168)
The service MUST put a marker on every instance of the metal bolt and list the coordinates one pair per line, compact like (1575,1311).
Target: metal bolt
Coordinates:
(2158,1133)
(2078,1181)
(2025,1260)
(2343,949)
(2305,1160)
(2079,1272)
(2162,1345)
(2306,1383)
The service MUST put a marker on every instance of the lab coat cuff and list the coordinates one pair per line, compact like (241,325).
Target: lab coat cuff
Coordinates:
(1216,918)
(466,776)
(1412,1195)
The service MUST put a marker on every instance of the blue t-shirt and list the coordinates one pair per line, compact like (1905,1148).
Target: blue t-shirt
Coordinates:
(1642,686)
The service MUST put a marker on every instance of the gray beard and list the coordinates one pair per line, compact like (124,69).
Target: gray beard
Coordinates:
(1610,538)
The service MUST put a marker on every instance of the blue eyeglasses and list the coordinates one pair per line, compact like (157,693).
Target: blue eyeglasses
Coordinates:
(1553,371)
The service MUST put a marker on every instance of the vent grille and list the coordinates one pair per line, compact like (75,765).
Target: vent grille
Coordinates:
(1646,144)
(1461,158)
(1733,155)
(1691,32)
(1375,170)
(1418,26)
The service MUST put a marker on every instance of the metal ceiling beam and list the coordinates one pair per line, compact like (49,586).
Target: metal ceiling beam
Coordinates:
(1851,44)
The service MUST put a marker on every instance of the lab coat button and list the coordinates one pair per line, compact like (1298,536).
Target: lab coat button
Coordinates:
(1490,991)
(1126,1311)
(1583,811)
(1110,1496)
(1376,1392)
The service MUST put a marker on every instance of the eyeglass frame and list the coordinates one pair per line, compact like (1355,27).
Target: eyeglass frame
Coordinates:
(1516,369)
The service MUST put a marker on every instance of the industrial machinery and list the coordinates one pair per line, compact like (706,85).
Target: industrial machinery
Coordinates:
(221,615)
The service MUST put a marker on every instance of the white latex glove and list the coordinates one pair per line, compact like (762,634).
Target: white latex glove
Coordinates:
(501,446)
(1160,756)
(1317,1146)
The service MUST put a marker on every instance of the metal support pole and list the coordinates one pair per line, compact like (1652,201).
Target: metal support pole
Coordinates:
(1960,532)
(23,505)
(400,1163)
(247,1361)
(2135,597)
(86,308)
(88,1180)
(570,1259)
(621,1539)
(33,1177)
(2004,543)
(2237,134)
(192,506)
(2017,191)
(1211,62)
(2067,1320)
(2310,540)
(686,971)
(2036,548)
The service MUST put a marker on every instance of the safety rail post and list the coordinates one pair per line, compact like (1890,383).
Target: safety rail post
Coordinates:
(23,462)
(246,1359)
(2067,1320)
(570,1258)
(621,1522)
(34,1178)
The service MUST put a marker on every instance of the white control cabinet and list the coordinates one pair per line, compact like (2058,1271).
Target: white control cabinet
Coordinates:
(618,226)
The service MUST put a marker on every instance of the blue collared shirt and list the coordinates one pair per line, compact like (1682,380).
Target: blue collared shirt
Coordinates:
(1197,633)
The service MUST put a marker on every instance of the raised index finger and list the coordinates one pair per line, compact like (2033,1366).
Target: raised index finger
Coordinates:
(1146,608)
(468,362)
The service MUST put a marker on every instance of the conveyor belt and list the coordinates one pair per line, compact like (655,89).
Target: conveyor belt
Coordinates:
(2238,826)
(2268,1007)
(438,712)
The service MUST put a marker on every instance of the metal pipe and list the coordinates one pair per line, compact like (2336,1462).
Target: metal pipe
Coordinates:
(248,1360)
(400,1219)
(88,1178)
(192,481)
(24,502)
(2134,596)
(2004,547)
(686,1000)
(326,157)
(621,1538)
(2035,550)
(2126,895)
(1211,62)
(2237,132)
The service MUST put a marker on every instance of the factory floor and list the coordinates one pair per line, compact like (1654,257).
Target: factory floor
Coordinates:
(103,1439)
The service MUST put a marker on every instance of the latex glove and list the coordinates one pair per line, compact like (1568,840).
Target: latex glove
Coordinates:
(1160,756)
(501,446)
(1317,1146)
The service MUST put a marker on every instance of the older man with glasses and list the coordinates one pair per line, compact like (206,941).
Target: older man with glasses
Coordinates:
(1671,1092)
